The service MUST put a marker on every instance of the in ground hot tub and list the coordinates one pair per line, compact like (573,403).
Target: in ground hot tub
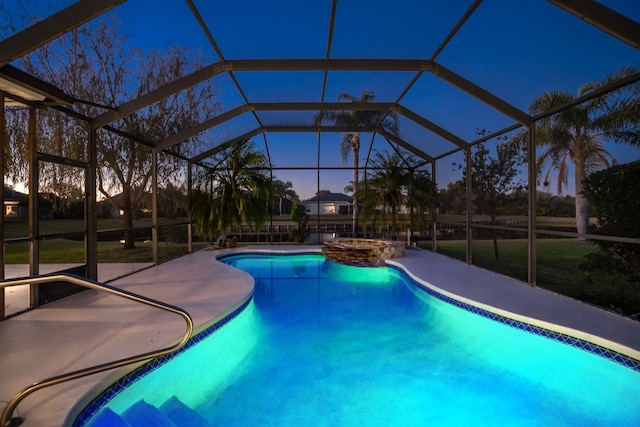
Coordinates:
(362,251)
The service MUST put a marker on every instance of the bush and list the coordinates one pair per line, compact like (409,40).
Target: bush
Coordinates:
(300,216)
(615,194)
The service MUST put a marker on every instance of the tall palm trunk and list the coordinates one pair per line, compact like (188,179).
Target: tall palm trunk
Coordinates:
(579,158)
(582,204)
(355,141)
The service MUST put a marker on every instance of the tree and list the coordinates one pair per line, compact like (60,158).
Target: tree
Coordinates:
(578,134)
(299,214)
(383,192)
(421,193)
(172,201)
(395,182)
(92,64)
(238,190)
(492,179)
(452,199)
(283,191)
(350,141)
(616,195)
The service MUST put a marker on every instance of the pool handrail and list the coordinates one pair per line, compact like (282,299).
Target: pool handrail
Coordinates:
(81,281)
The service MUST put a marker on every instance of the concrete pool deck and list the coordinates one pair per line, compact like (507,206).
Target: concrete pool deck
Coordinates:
(90,327)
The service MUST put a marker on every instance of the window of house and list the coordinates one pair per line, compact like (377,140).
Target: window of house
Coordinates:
(328,208)
(11,210)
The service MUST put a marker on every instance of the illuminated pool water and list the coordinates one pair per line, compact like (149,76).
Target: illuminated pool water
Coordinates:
(325,344)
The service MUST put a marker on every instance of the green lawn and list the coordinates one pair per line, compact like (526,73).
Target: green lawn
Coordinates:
(16,228)
(558,268)
(68,251)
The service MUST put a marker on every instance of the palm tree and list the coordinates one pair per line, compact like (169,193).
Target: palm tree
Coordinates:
(421,194)
(283,191)
(578,134)
(394,182)
(350,142)
(238,190)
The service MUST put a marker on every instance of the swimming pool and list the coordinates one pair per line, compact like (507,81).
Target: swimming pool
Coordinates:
(325,344)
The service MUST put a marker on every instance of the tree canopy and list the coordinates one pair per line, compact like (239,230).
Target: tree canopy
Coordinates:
(238,190)
(92,64)
(578,135)
(394,183)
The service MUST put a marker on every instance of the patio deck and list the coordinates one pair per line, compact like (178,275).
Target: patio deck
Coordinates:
(92,327)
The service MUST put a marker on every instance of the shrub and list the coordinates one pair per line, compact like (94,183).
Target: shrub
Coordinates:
(615,194)
(300,216)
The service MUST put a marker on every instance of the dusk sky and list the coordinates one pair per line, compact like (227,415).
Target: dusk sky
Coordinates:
(514,49)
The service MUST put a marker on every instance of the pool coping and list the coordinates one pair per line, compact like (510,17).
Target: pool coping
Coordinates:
(508,297)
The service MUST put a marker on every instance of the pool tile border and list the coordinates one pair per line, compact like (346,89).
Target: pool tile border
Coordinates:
(596,349)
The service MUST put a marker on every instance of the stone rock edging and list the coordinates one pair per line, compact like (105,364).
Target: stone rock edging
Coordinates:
(363,252)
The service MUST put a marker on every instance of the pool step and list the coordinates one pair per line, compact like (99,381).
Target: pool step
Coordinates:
(172,413)
(142,413)
(181,414)
(108,418)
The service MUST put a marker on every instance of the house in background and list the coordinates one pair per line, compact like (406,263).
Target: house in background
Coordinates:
(15,204)
(329,203)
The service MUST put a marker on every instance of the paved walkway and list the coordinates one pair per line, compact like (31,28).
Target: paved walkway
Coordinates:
(16,298)
(91,327)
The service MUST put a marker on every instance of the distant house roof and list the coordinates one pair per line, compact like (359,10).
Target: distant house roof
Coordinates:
(10,194)
(330,197)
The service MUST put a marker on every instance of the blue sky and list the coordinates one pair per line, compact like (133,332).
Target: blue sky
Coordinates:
(514,49)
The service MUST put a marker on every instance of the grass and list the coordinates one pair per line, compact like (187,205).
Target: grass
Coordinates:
(558,268)
(62,251)
(16,228)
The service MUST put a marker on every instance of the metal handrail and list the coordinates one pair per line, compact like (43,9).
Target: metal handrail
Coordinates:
(77,280)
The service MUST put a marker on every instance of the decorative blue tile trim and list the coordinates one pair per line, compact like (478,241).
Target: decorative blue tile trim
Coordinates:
(224,257)
(596,349)
(106,396)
